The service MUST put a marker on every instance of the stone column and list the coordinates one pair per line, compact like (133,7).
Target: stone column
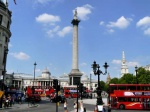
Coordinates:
(75,75)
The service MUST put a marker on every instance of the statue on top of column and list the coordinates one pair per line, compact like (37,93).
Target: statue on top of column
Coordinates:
(75,14)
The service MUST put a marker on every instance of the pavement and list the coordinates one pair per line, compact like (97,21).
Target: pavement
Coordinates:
(25,104)
(21,106)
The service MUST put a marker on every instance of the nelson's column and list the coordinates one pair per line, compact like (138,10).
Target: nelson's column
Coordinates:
(75,74)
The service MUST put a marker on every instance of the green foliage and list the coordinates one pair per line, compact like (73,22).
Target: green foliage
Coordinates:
(142,77)
(127,79)
(114,81)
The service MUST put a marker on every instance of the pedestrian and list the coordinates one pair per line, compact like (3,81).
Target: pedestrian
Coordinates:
(75,106)
(3,101)
(81,106)
(19,99)
(33,99)
(13,99)
(65,106)
(109,108)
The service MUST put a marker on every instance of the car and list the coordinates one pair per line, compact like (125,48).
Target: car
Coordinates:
(59,98)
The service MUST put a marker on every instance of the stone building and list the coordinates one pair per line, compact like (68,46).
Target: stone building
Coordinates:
(5,34)
(21,80)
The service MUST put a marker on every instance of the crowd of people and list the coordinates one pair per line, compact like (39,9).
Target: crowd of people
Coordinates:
(76,106)
(9,100)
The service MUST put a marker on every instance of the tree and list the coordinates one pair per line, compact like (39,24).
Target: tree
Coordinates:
(114,80)
(143,76)
(102,83)
(127,79)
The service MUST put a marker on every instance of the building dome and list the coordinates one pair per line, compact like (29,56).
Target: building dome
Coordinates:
(46,73)
(85,77)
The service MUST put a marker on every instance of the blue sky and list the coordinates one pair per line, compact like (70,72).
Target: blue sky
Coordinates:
(42,33)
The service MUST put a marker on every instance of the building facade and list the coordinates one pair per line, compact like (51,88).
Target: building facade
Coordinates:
(147,67)
(21,80)
(5,34)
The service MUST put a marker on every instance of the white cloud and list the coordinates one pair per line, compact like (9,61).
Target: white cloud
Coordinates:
(10,45)
(111,30)
(38,70)
(47,18)
(83,64)
(144,22)
(20,56)
(147,32)
(116,61)
(84,11)
(101,23)
(52,32)
(65,31)
(121,23)
(44,1)
(132,64)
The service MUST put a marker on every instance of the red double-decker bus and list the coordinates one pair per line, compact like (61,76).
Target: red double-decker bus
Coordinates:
(129,96)
(41,90)
(70,91)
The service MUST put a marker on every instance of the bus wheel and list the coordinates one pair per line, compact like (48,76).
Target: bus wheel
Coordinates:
(122,106)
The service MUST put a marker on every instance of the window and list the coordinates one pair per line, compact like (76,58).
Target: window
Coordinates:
(95,85)
(1,18)
(8,25)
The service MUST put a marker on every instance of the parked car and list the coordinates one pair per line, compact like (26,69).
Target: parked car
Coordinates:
(59,98)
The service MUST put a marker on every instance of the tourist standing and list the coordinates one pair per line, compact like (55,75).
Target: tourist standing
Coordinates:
(65,106)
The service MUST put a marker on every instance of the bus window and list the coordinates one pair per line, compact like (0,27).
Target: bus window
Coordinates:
(122,99)
(138,87)
(131,88)
(122,88)
(112,88)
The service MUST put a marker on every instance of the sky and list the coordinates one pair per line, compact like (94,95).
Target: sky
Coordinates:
(42,32)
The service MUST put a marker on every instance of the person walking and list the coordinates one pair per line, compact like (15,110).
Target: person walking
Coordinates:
(75,106)
(81,106)
(65,106)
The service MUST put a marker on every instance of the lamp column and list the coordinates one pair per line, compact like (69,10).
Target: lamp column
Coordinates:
(136,69)
(97,71)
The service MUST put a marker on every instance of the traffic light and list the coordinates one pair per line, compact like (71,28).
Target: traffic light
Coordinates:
(55,83)
(58,88)
(80,87)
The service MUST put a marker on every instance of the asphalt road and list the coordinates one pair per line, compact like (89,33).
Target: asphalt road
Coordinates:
(47,106)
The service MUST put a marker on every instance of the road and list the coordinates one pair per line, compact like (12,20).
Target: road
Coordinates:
(46,106)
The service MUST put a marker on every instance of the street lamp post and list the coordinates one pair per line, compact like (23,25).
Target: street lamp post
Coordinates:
(97,71)
(34,78)
(136,69)
(90,86)
(34,72)
(49,85)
